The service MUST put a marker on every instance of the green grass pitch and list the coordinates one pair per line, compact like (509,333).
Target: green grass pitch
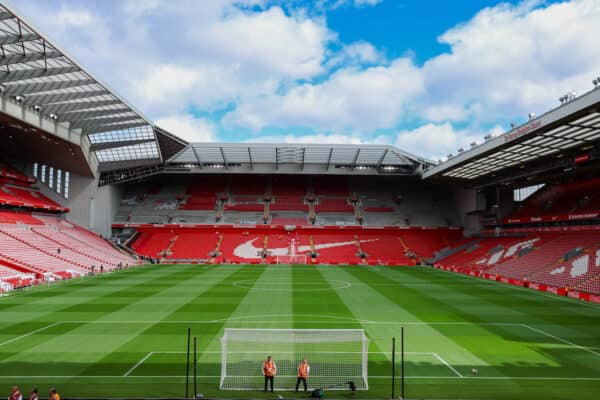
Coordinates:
(124,334)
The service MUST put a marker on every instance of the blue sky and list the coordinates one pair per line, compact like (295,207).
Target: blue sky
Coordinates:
(428,77)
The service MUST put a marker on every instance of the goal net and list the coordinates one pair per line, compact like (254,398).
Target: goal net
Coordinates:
(336,357)
(292,259)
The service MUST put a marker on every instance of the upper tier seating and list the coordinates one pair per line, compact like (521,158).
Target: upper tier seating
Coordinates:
(288,195)
(202,196)
(331,186)
(288,221)
(10,217)
(244,186)
(288,202)
(333,204)
(568,198)
(27,197)
(254,199)
(9,172)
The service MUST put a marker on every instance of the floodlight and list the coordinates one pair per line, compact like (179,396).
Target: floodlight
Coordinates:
(531,115)
(53,116)
(19,99)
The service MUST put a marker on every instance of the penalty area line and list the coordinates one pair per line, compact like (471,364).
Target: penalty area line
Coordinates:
(126,374)
(447,365)
(30,333)
(561,339)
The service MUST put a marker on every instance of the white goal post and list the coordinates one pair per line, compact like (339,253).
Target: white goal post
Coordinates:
(336,358)
(292,259)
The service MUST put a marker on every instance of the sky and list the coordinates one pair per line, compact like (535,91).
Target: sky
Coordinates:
(428,77)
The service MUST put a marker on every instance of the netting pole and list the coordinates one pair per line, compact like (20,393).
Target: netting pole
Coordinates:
(195,370)
(393,368)
(187,365)
(402,346)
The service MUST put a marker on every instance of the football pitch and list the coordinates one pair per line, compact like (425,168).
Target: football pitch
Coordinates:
(124,334)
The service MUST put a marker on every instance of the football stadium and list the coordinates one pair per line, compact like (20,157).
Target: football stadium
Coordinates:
(137,264)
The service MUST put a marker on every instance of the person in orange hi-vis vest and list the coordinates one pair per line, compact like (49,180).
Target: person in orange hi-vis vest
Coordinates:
(269,371)
(303,370)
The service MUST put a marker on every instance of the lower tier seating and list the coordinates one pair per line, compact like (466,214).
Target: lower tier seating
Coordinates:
(568,259)
(307,244)
(52,245)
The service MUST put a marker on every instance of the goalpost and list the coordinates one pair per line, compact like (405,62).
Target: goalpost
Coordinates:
(336,357)
(292,259)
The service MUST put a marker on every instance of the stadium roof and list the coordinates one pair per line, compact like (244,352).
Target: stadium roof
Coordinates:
(572,127)
(297,158)
(43,81)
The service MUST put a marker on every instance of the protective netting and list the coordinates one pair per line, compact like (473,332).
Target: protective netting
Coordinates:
(336,357)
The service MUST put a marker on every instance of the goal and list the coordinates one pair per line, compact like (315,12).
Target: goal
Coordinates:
(336,357)
(292,259)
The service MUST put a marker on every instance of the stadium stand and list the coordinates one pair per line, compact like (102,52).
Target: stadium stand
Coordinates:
(559,202)
(51,248)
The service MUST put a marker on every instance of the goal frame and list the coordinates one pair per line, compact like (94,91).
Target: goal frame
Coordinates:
(292,259)
(364,343)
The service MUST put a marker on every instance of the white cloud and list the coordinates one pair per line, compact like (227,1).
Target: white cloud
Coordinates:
(333,4)
(367,2)
(434,140)
(196,53)
(510,60)
(286,70)
(352,99)
(357,53)
(319,138)
(190,128)
(79,18)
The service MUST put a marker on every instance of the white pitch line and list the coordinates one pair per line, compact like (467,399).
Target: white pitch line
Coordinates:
(543,378)
(562,340)
(520,288)
(300,322)
(138,364)
(447,365)
(291,352)
(30,333)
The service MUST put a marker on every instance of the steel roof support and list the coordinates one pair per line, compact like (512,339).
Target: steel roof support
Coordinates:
(18,38)
(6,76)
(197,156)
(250,158)
(41,99)
(115,127)
(224,158)
(25,58)
(24,89)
